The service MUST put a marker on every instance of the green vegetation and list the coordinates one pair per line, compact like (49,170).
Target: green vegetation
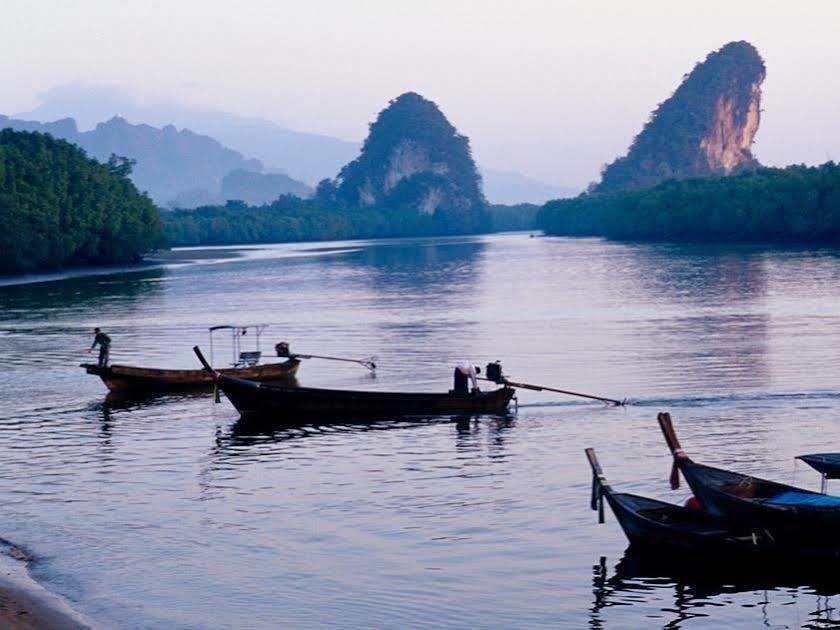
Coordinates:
(794,204)
(415,176)
(670,144)
(522,216)
(290,219)
(413,160)
(58,207)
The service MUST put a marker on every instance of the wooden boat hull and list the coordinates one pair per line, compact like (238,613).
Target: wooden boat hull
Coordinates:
(129,379)
(662,527)
(254,399)
(789,515)
(659,527)
(814,519)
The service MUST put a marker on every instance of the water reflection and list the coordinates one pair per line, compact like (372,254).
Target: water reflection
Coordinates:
(446,521)
(422,264)
(246,432)
(135,401)
(416,281)
(425,275)
(48,300)
(713,296)
(701,275)
(684,588)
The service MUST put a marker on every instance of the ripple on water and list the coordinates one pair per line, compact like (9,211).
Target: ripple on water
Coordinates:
(149,513)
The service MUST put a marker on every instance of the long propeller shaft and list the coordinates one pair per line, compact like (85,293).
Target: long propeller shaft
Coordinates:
(541,388)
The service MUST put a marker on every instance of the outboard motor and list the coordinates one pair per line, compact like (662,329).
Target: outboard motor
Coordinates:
(494,372)
(282,349)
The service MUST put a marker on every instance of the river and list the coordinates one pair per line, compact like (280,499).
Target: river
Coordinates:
(168,513)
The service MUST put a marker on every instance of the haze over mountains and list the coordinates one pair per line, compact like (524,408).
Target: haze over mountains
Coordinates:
(169,164)
(306,157)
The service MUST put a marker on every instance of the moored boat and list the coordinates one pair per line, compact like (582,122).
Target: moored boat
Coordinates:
(790,515)
(662,527)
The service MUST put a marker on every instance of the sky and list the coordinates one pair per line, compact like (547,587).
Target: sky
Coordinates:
(552,89)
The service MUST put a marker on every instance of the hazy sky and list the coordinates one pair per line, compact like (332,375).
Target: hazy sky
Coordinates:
(550,88)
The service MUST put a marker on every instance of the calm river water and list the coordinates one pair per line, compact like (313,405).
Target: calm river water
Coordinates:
(167,513)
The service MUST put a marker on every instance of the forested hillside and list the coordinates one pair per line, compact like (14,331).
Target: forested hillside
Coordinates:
(706,127)
(413,161)
(58,207)
(291,219)
(794,204)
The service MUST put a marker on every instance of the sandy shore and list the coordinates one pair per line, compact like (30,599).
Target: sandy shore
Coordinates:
(25,604)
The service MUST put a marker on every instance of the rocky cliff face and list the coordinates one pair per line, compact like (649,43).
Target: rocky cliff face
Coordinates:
(705,128)
(413,158)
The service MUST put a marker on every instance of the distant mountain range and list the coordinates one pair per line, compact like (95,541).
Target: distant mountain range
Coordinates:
(170,164)
(306,157)
(512,188)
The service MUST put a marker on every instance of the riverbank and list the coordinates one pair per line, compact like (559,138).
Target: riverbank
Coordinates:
(151,261)
(24,603)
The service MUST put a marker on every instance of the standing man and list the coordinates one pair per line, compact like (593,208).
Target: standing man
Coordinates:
(104,342)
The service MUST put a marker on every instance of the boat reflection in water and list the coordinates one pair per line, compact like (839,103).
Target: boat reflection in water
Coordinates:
(247,431)
(140,399)
(671,590)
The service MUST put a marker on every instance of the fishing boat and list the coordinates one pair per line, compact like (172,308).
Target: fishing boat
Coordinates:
(127,379)
(664,527)
(828,464)
(790,515)
(279,402)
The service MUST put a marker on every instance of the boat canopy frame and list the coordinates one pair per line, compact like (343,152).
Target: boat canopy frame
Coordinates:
(248,358)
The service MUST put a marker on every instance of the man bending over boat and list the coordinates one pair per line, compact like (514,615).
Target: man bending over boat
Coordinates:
(465,373)
(104,343)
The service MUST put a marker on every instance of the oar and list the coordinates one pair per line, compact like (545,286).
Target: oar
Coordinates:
(540,388)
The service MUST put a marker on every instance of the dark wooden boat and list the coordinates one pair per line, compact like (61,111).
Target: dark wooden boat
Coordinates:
(659,527)
(281,402)
(828,464)
(129,379)
(790,515)
(253,399)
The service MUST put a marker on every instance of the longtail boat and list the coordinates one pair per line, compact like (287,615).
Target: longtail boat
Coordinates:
(662,527)
(827,464)
(788,514)
(127,379)
(278,402)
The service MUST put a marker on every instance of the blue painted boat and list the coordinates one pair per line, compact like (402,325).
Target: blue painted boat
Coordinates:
(789,515)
